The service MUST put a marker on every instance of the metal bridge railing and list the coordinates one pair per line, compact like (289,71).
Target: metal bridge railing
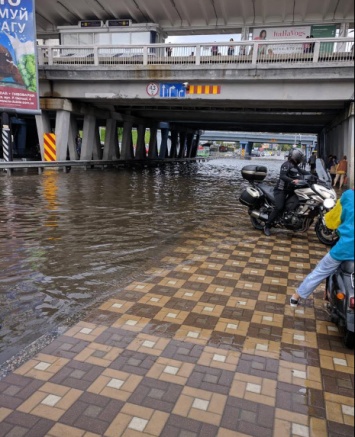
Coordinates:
(307,51)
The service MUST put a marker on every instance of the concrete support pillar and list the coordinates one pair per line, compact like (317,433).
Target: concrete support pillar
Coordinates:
(153,143)
(245,33)
(196,143)
(111,149)
(164,152)
(343,33)
(322,147)
(43,127)
(73,132)
(127,143)
(141,152)
(62,129)
(89,138)
(182,145)
(189,141)
(97,145)
(174,144)
(243,148)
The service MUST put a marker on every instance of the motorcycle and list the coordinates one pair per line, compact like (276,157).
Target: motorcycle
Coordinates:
(341,301)
(312,197)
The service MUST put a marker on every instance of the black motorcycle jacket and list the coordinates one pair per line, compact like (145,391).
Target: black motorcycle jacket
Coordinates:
(284,183)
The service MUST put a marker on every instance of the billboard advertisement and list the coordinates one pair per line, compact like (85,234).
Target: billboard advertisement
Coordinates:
(282,33)
(18,58)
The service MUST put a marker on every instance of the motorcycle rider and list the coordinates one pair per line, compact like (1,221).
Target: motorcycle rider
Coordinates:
(342,219)
(284,186)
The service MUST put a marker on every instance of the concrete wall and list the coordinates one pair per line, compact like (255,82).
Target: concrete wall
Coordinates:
(339,140)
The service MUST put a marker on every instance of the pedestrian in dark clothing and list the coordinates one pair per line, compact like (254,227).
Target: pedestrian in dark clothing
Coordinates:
(312,162)
(214,50)
(169,51)
(231,49)
(284,186)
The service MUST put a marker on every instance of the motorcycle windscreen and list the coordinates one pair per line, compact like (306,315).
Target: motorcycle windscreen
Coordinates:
(322,172)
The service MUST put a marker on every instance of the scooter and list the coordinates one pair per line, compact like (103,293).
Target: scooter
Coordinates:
(341,300)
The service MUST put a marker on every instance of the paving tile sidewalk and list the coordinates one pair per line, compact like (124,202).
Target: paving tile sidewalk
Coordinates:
(206,346)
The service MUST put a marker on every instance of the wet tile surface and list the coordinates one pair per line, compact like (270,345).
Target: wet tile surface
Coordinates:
(204,346)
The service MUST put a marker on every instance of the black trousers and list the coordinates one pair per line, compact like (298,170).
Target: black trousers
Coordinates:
(280,200)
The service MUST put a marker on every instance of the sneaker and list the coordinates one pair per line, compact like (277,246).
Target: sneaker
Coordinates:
(267,231)
(294,302)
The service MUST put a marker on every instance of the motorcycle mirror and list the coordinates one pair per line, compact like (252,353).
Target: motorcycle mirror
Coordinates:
(329,204)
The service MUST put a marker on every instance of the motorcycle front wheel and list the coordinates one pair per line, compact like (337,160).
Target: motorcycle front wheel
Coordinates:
(325,235)
(257,223)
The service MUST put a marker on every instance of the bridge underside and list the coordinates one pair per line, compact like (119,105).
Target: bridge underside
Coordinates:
(272,116)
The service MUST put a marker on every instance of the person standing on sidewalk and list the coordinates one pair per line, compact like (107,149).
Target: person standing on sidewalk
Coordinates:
(342,219)
(312,162)
(341,172)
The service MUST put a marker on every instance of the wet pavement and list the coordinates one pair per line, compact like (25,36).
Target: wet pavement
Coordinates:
(202,345)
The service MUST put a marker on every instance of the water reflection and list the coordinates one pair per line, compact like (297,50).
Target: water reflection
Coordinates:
(68,240)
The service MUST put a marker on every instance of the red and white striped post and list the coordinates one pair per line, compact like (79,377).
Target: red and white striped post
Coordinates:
(6,140)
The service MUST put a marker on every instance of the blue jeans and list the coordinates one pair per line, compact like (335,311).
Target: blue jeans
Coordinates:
(325,268)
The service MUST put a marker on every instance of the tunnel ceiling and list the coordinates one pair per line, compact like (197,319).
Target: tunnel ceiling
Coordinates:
(189,17)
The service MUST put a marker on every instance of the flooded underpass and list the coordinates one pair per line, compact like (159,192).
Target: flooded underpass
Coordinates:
(68,240)
(175,311)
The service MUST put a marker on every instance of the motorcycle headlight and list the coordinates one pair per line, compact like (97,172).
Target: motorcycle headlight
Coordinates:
(329,204)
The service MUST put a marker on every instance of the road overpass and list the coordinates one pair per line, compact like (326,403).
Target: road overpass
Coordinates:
(253,92)
(186,17)
(258,137)
(260,87)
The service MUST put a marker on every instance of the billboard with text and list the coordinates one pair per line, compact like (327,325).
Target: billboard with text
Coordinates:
(18,59)
(282,33)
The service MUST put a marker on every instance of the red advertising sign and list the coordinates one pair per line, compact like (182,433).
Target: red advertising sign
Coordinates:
(18,57)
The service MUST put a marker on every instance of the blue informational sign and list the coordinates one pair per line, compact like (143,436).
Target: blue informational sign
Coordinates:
(18,57)
(172,91)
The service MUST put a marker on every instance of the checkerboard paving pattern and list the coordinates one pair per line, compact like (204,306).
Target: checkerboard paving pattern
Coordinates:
(205,345)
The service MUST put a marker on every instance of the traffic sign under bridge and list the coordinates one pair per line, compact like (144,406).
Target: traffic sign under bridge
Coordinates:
(172,91)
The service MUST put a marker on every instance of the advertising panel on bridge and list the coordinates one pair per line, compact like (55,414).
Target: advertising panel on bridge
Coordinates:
(282,33)
(18,59)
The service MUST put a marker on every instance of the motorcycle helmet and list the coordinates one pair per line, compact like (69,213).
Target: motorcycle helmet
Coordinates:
(296,156)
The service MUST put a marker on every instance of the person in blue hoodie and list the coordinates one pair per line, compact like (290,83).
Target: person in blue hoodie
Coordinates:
(342,219)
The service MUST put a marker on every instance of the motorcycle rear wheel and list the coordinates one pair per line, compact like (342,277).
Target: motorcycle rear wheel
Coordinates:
(257,223)
(326,236)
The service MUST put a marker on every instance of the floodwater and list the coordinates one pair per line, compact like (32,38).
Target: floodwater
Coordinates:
(69,240)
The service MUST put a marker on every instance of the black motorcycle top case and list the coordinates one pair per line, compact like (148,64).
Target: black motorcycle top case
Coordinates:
(254,173)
